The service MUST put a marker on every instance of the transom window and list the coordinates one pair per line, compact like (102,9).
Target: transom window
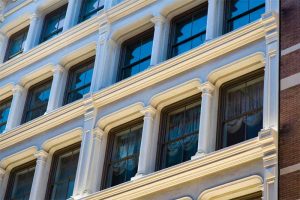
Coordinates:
(188,30)
(136,54)
(63,172)
(90,8)
(179,132)
(20,182)
(242,12)
(16,44)
(79,80)
(53,24)
(4,112)
(124,150)
(241,109)
(37,100)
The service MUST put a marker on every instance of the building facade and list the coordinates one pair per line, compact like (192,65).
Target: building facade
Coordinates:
(289,101)
(139,99)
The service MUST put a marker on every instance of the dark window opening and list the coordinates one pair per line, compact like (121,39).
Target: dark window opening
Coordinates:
(16,44)
(90,8)
(4,112)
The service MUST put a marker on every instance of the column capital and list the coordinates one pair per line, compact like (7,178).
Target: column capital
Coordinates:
(58,68)
(149,111)
(158,19)
(41,155)
(207,88)
(98,133)
(34,16)
(17,89)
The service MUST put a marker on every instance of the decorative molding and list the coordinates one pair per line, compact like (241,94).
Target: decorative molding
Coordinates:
(290,81)
(6,91)
(214,162)
(233,189)
(18,7)
(290,169)
(290,49)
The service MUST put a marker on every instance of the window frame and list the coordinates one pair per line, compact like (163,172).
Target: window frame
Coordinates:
(54,165)
(227,20)
(163,125)
(23,32)
(7,100)
(222,100)
(149,33)
(109,147)
(250,196)
(29,97)
(81,65)
(183,17)
(12,176)
(82,17)
(43,38)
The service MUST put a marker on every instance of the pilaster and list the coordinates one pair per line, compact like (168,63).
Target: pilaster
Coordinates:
(3,46)
(33,31)
(205,133)
(70,18)
(212,20)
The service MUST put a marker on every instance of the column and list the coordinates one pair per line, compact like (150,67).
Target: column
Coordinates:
(33,32)
(40,178)
(108,4)
(212,20)
(158,47)
(98,155)
(204,139)
(145,155)
(3,45)
(81,186)
(104,61)
(17,107)
(70,18)
(2,176)
(57,88)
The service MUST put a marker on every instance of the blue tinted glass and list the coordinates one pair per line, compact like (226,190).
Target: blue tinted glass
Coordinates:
(131,169)
(144,65)
(146,48)
(190,146)
(53,24)
(199,23)
(234,132)
(198,41)
(238,7)
(2,128)
(118,173)
(174,153)
(183,31)
(91,5)
(16,46)
(182,48)
(4,111)
(255,3)
(256,14)
(239,22)
(133,54)
(254,125)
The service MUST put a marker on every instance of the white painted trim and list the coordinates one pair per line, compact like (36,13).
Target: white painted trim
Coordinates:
(233,189)
(290,169)
(290,81)
(290,49)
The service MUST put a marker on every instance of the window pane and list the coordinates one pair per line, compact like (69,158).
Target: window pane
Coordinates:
(199,23)
(254,125)
(90,8)
(174,153)
(182,48)
(234,131)
(146,48)
(16,43)
(183,31)
(239,22)
(256,14)
(238,7)
(4,112)
(190,146)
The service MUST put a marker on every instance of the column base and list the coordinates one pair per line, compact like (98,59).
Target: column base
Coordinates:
(137,176)
(198,155)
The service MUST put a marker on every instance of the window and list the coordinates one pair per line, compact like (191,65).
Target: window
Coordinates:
(123,154)
(179,132)
(188,30)
(4,111)
(242,12)
(37,100)
(79,80)
(253,196)
(53,24)
(241,109)
(63,172)
(136,54)
(16,44)
(20,181)
(90,8)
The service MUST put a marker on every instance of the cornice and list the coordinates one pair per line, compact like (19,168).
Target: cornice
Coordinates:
(189,171)
(149,77)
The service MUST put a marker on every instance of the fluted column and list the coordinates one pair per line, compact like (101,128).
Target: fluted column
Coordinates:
(70,18)
(205,134)
(33,32)
(157,54)
(17,107)
(57,88)
(212,20)
(40,177)
(104,61)
(3,46)
(145,149)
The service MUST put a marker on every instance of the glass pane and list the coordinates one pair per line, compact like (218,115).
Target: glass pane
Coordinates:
(238,7)
(90,6)
(59,191)
(4,111)
(235,102)
(256,14)
(131,169)
(22,184)
(132,54)
(174,153)
(190,146)
(2,128)
(234,131)
(198,41)
(239,22)
(53,24)
(183,31)
(255,3)
(175,126)
(16,45)
(192,120)
(118,173)
(146,48)
(254,125)
(182,48)
(199,23)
